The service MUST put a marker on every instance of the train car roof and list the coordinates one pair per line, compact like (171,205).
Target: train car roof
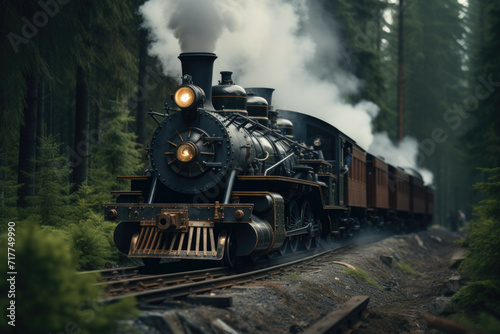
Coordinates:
(413,173)
(378,157)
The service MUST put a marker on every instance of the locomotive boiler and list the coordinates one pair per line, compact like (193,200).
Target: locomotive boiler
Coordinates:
(230,178)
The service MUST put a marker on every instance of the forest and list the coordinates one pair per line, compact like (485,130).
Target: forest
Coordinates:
(79,77)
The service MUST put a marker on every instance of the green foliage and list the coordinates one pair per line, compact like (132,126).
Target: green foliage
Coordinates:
(483,139)
(480,298)
(91,242)
(50,204)
(117,152)
(362,275)
(484,239)
(476,297)
(50,296)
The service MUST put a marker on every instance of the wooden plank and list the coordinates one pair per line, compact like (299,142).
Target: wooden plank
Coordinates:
(342,318)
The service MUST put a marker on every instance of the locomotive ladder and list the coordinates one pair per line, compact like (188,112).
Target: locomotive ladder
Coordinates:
(197,241)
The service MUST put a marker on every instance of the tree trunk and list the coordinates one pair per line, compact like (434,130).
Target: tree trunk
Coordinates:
(79,155)
(142,92)
(50,114)
(40,116)
(400,70)
(27,144)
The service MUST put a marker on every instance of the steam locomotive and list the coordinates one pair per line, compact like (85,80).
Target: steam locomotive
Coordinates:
(230,177)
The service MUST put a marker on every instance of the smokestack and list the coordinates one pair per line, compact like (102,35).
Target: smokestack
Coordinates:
(199,65)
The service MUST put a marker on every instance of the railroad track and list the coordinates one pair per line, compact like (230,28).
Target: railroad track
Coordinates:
(157,288)
(148,288)
(114,274)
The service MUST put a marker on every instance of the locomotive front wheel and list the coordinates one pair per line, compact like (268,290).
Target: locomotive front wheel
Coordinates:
(294,222)
(230,250)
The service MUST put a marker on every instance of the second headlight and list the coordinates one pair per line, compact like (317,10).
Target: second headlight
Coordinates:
(186,152)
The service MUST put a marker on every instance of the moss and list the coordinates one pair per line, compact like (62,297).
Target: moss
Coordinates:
(406,268)
(362,275)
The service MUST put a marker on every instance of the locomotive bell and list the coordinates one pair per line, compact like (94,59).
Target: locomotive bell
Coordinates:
(227,97)
(267,94)
(285,126)
(258,109)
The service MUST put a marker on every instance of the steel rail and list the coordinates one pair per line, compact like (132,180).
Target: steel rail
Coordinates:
(183,290)
(142,283)
(113,273)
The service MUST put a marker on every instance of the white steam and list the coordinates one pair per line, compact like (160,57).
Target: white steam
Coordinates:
(273,44)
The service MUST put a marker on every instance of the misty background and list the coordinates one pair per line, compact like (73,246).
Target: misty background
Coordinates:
(79,78)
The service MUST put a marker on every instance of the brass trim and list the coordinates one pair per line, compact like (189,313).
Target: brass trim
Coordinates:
(258,117)
(277,178)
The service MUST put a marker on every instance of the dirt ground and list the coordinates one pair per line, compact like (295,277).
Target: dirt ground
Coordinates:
(291,302)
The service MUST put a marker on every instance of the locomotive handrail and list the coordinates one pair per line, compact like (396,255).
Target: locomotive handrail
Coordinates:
(278,163)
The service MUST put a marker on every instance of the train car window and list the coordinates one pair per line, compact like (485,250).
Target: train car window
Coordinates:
(328,141)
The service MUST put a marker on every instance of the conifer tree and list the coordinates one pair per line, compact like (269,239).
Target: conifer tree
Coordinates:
(117,152)
(50,204)
(483,138)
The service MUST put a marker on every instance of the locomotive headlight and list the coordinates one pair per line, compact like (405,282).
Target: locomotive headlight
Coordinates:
(186,152)
(184,97)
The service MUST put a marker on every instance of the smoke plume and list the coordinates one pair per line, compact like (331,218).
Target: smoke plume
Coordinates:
(286,45)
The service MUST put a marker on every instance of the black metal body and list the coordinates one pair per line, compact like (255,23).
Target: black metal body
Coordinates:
(248,185)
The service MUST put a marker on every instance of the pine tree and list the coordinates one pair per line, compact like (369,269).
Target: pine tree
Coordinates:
(479,300)
(50,204)
(483,139)
(117,152)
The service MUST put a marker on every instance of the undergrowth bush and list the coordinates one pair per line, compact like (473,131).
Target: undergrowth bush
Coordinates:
(50,297)
(479,301)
